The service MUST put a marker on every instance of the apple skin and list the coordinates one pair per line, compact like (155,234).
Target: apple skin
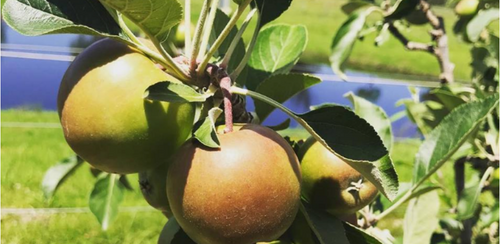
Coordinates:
(153,184)
(325,179)
(245,192)
(466,7)
(104,117)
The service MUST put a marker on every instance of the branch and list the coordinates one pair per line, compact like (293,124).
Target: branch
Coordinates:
(433,19)
(413,46)
(439,35)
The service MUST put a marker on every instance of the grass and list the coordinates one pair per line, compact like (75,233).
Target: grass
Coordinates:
(28,152)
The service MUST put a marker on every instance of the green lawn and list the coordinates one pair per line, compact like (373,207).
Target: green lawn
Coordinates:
(28,152)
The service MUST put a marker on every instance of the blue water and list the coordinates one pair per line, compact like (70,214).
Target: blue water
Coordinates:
(34,83)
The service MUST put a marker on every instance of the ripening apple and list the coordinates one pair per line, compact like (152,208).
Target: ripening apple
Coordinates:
(330,184)
(245,192)
(153,184)
(104,117)
(466,7)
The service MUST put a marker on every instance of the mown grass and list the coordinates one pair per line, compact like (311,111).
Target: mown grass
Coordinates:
(26,154)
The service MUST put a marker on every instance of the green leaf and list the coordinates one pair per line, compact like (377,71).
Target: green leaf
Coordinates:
(375,116)
(359,236)
(417,16)
(449,135)
(41,17)
(220,22)
(125,182)
(383,35)
(276,50)
(485,61)
(421,218)
(106,198)
(344,40)
(467,202)
(172,233)
(469,197)
(352,6)
(447,97)
(404,187)
(300,231)
(401,9)
(281,87)
(58,173)
(238,1)
(154,17)
(328,229)
(271,9)
(491,216)
(479,22)
(426,115)
(205,132)
(359,146)
(174,92)
(451,225)
(168,232)
(281,126)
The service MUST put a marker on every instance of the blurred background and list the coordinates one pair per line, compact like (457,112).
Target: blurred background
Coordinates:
(32,140)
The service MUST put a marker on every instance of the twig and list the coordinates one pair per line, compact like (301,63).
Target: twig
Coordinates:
(197,37)
(439,35)
(222,36)
(208,28)
(440,49)
(249,50)
(236,39)
(225,85)
(410,45)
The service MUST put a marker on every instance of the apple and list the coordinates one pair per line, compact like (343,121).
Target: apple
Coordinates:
(104,117)
(245,192)
(153,185)
(466,7)
(330,184)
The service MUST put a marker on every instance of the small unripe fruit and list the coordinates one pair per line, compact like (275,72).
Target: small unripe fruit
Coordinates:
(466,7)
(330,184)
(180,34)
(153,184)
(245,192)
(104,117)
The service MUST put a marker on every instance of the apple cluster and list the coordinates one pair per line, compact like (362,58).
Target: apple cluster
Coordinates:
(248,190)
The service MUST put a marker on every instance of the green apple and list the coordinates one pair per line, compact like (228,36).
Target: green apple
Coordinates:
(466,7)
(104,117)
(153,184)
(330,184)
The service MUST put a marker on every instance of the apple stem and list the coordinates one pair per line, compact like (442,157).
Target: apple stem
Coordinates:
(225,85)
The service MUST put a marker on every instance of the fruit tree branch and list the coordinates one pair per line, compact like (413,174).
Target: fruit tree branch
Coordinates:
(410,45)
(225,85)
(441,50)
(440,47)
